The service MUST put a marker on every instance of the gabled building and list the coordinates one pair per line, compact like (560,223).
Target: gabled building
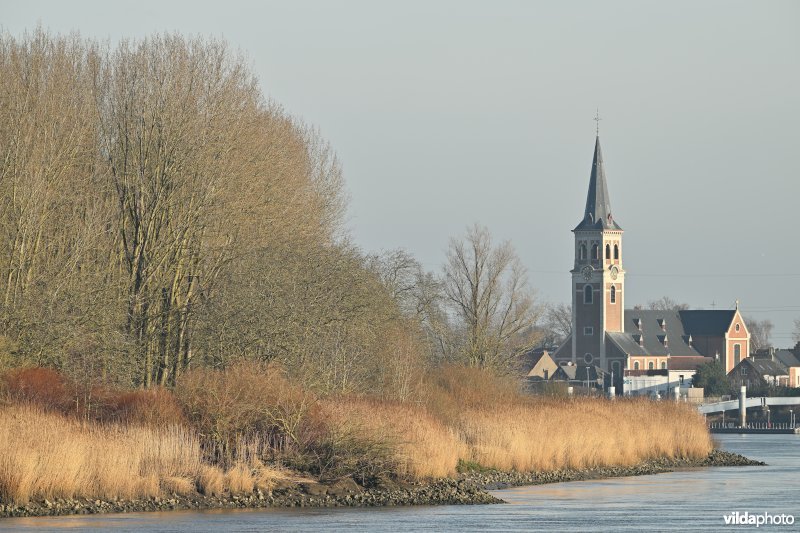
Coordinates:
(621,341)
(538,364)
(757,373)
(788,358)
(590,376)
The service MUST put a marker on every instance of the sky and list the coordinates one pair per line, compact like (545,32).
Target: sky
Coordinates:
(450,113)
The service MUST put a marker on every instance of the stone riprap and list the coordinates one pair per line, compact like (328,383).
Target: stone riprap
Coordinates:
(468,488)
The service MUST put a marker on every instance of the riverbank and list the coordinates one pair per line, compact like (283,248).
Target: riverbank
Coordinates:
(467,489)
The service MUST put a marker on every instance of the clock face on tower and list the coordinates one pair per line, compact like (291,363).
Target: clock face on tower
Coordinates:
(587,273)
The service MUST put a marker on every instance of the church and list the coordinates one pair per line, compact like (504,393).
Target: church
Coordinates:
(631,344)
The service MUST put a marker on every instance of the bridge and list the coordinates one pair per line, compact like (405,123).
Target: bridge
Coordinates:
(759,401)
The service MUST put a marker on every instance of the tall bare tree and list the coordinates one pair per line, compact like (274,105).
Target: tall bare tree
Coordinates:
(557,323)
(492,307)
(665,303)
(760,333)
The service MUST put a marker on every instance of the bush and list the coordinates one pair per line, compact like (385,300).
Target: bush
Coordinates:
(249,399)
(42,387)
(152,407)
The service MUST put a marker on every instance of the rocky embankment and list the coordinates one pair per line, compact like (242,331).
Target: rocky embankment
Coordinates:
(467,488)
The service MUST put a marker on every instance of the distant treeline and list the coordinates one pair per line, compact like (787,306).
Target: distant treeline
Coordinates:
(158,212)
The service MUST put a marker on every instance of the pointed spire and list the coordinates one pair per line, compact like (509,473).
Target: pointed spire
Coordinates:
(597,214)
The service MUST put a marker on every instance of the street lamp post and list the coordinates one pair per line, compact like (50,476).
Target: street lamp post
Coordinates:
(791,418)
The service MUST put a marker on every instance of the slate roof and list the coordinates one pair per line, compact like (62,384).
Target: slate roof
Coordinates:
(597,215)
(787,357)
(766,367)
(648,324)
(687,363)
(707,322)
(578,372)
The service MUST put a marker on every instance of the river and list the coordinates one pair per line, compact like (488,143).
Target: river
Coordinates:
(692,499)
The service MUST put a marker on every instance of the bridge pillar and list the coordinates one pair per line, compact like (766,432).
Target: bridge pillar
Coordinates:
(743,407)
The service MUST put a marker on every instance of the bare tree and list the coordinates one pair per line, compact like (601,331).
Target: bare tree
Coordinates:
(492,307)
(760,332)
(557,323)
(665,303)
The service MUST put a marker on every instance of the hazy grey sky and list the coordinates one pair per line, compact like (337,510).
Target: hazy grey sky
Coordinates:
(448,113)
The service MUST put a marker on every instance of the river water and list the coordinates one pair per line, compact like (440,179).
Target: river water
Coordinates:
(687,500)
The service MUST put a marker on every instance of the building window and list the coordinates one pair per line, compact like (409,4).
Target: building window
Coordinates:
(544,373)
(616,251)
(588,358)
(613,294)
(680,379)
(737,354)
(663,365)
(650,365)
(583,252)
(588,330)
(587,294)
(636,365)
(737,327)
(608,251)
(595,252)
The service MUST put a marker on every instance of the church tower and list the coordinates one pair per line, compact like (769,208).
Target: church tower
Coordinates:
(598,278)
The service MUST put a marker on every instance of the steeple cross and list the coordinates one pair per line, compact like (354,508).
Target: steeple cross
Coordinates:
(597,119)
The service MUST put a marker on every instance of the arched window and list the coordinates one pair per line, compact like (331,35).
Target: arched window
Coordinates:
(737,354)
(650,365)
(636,365)
(663,365)
(587,294)
(588,358)
(737,327)
(616,251)
(595,251)
(613,294)
(608,251)
(583,252)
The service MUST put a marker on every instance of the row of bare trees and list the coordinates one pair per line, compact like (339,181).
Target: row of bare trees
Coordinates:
(156,211)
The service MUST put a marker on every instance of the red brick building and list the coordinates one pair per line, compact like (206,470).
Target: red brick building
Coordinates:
(616,339)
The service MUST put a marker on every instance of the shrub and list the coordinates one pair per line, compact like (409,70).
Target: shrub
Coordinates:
(152,407)
(249,399)
(43,387)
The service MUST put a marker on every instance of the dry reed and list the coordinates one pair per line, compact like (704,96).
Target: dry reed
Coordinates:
(48,456)
(525,434)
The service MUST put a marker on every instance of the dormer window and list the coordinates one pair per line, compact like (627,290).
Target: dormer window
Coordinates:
(638,323)
(663,340)
(690,342)
(639,340)
(662,324)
